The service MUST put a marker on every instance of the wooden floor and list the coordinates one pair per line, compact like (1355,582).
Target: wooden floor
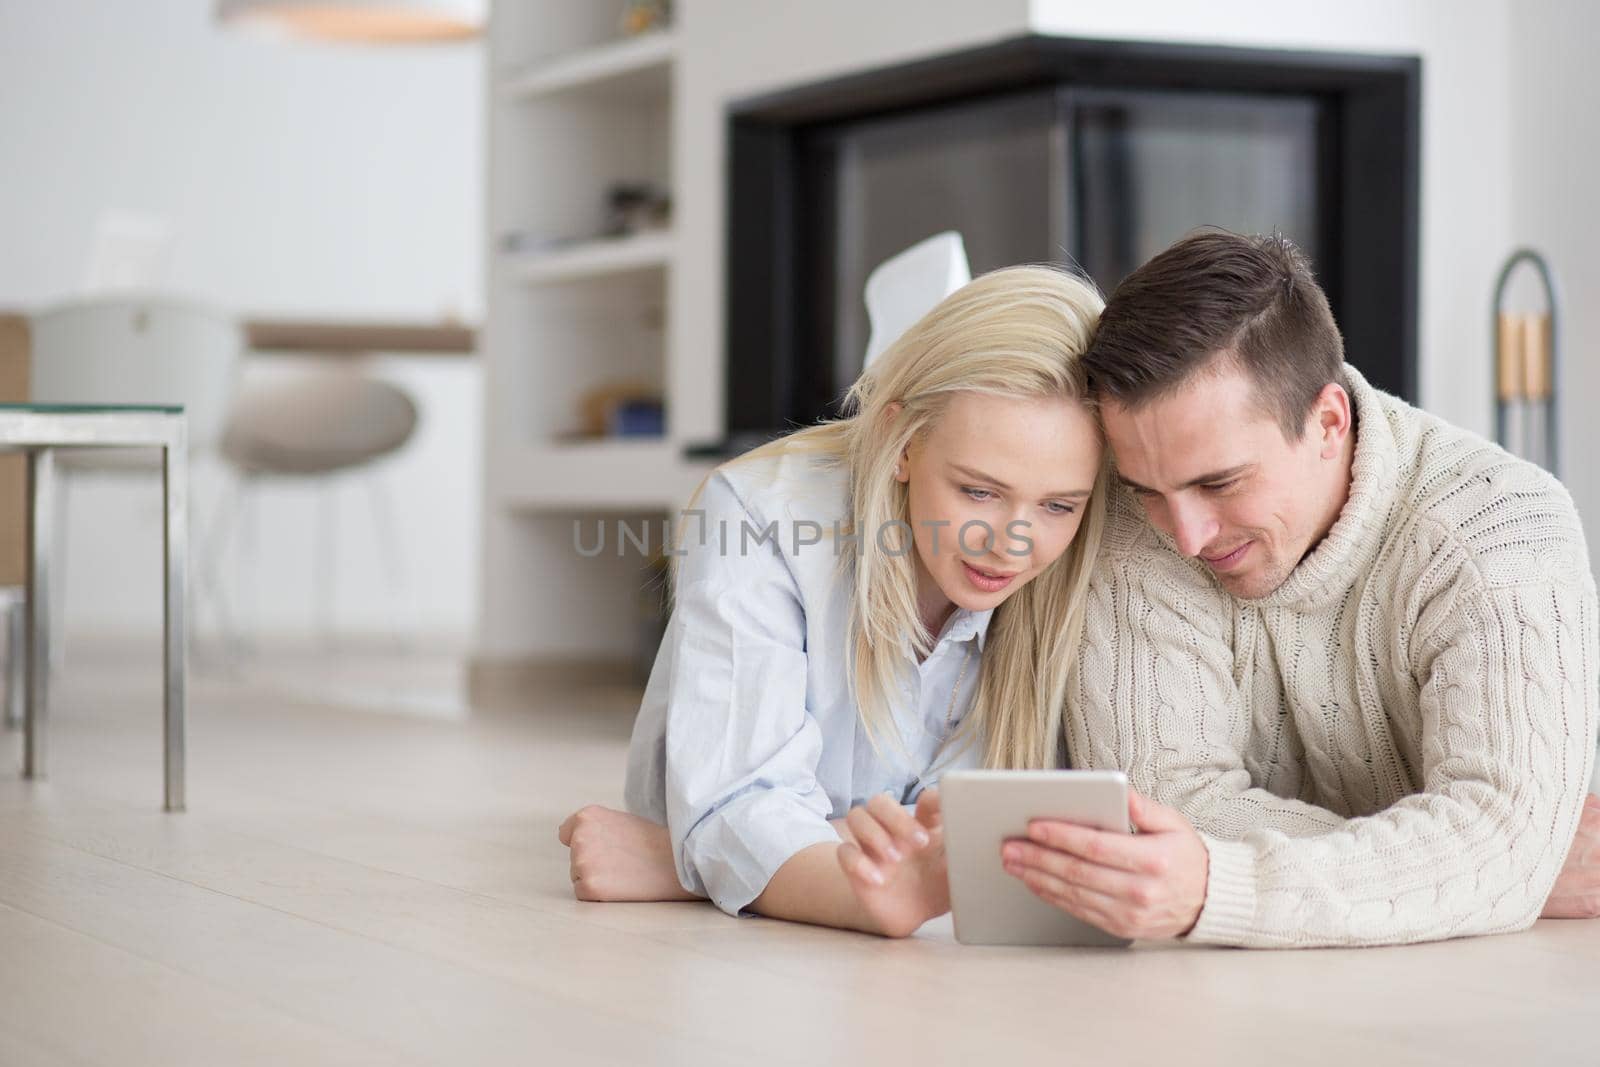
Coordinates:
(371,876)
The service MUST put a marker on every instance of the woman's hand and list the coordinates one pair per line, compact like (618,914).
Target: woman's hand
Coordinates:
(617,856)
(896,862)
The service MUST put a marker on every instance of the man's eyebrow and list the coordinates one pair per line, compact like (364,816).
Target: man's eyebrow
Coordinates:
(979,476)
(1204,479)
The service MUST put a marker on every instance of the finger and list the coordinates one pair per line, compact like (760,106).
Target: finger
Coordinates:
(564,832)
(1086,904)
(1096,917)
(1136,812)
(857,867)
(908,833)
(1141,855)
(1077,899)
(1150,817)
(1071,870)
(930,810)
(870,835)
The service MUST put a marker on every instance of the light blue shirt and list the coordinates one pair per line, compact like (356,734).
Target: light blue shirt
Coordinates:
(747,741)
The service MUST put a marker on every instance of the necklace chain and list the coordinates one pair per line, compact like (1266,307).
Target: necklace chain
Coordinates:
(955,691)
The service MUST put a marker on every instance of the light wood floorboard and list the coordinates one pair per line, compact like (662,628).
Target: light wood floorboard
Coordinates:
(356,884)
(72,998)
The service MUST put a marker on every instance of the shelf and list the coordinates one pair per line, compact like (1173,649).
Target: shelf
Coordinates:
(594,259)
(634,67)
(612,474)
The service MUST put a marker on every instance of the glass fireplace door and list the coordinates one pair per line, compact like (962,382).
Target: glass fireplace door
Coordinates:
(1102,178)
(1147,167)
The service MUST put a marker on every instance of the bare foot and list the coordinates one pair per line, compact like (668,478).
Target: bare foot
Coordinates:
(617,856)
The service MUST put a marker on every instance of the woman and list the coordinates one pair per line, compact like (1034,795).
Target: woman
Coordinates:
(860,606)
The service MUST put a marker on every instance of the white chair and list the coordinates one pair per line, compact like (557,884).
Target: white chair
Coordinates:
(905,287)
(323,421)
(133,348)
(129,349)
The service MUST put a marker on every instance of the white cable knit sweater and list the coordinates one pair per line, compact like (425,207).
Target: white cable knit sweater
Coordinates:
(1393,746)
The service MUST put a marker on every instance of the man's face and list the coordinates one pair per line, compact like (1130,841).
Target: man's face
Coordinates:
(1214,472)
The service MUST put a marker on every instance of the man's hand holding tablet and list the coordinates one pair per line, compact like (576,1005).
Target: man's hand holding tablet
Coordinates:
(1047,858)
(1143,886)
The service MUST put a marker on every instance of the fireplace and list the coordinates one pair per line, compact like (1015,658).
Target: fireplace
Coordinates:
(1043,149)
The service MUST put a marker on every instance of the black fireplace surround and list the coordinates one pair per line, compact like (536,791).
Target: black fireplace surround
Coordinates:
(1091,152)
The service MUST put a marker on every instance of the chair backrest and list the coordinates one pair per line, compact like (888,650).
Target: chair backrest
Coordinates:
(128,349)
(905,287)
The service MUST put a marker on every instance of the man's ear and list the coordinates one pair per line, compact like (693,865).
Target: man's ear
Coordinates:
(1332,418)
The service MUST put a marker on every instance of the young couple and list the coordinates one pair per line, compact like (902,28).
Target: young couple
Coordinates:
(1346,653)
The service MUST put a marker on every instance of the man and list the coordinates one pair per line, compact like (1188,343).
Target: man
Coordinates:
(1354,645)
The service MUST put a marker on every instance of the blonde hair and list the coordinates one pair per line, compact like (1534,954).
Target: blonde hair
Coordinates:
(1016,332)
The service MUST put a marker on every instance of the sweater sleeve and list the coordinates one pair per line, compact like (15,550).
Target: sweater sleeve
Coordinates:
(1508,700)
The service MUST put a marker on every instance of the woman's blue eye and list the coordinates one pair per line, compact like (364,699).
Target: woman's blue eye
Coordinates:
(977,494)
(1058,508)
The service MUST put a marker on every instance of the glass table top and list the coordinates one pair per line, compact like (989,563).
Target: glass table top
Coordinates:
(93,409)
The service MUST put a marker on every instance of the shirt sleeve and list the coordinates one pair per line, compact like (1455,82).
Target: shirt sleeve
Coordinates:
(741,748)
(1508,703)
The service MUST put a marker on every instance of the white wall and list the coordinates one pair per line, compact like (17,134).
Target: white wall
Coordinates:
(298,179)
(1555,145)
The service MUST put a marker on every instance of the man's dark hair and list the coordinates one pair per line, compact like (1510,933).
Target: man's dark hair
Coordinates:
(1217,295)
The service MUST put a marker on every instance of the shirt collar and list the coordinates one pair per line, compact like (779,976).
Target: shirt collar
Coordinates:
(965,625)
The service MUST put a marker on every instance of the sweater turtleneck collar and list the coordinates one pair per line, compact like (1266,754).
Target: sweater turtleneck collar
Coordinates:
(1356,537)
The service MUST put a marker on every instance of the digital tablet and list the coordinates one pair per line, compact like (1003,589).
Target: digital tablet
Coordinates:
(983,810)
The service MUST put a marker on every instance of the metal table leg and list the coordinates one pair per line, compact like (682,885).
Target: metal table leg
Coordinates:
(16,672)
(175,666)
(35,659)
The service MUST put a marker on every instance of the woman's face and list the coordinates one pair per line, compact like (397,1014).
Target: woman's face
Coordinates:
(997,488)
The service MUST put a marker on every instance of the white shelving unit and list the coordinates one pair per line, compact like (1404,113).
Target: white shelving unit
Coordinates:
(610,475)
(574,108)
(640,67)
(606,257)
